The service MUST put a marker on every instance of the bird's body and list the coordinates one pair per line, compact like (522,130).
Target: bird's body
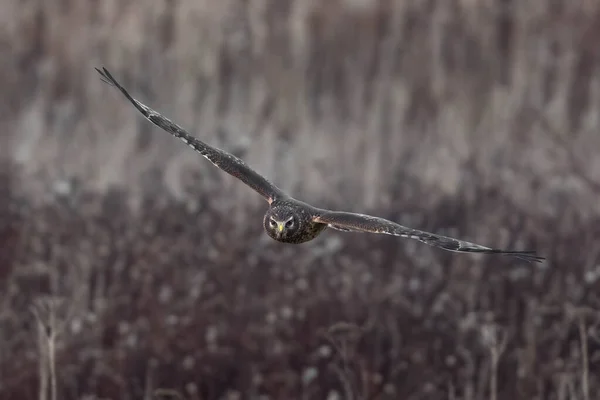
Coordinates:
(300,219)
(291,221)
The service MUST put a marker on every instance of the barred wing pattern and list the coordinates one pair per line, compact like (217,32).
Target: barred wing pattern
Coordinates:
(352,222)
(227,162)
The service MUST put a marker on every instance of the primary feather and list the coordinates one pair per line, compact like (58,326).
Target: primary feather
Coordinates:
(225,161)
(346,221)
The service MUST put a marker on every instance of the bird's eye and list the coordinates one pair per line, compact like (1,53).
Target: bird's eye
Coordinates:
(272,223)
(289,223)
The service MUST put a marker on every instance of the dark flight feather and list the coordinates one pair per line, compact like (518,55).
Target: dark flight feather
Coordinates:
(225,161)
(346,221)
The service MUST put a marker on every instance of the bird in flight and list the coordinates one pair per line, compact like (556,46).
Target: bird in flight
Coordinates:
(289,220)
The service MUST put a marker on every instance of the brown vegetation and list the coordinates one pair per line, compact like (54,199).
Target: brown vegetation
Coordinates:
(132,268)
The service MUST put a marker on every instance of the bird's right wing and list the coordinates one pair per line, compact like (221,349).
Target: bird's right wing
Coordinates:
(352,222)
(225,161)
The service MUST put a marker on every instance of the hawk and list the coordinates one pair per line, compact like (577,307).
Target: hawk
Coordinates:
(289,220)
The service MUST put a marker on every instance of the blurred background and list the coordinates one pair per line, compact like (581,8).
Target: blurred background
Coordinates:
(131,268)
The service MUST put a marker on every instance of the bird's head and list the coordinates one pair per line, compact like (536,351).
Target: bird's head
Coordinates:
(281,223)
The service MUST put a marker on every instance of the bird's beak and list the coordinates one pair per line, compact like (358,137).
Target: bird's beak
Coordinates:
(279,228)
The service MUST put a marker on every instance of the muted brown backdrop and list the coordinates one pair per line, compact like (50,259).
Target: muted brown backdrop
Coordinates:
(473,118)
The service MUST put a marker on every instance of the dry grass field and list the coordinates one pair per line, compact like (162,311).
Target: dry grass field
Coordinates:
(131,268)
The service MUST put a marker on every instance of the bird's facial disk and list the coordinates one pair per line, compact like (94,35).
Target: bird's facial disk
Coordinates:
(282,227)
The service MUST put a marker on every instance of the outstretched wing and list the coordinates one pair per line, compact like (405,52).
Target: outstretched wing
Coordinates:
(225,161)
(346,221)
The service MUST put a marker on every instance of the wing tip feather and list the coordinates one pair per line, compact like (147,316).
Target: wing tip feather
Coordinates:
(106,76)
(525,255)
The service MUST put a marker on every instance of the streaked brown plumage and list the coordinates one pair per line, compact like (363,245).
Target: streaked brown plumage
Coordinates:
(291,221)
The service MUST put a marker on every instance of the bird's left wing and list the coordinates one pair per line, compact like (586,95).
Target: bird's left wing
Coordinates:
(346,221)
(227,162)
